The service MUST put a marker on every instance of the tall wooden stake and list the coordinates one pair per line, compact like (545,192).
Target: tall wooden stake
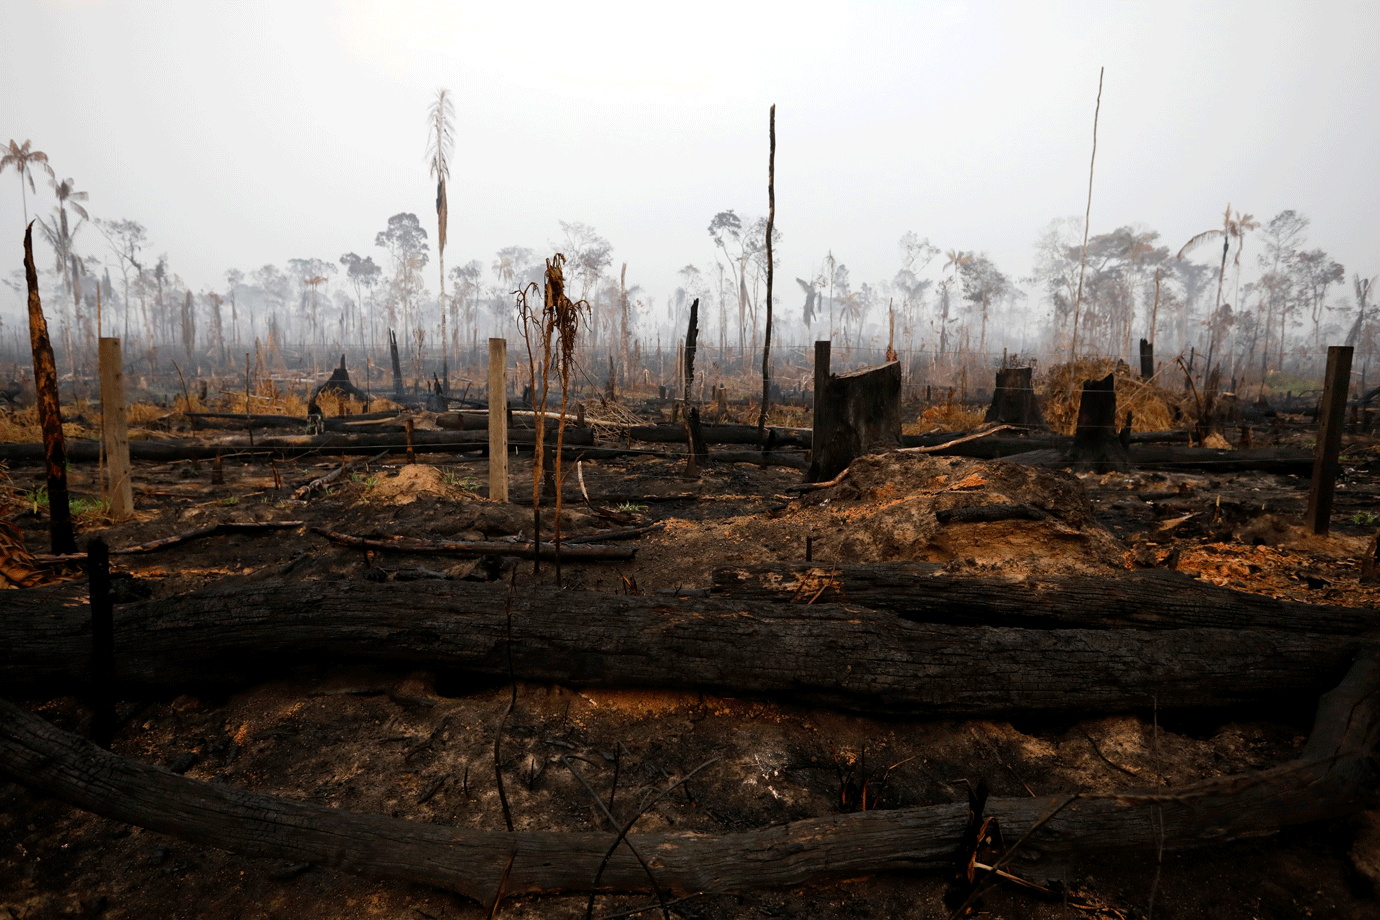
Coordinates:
(498,421)
(1328,448)
(115,429)
(771,222)
(1087,216)
(49,410)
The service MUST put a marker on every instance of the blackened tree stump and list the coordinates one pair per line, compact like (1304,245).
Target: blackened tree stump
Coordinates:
(1096,446)
(856,413)
(1014,402)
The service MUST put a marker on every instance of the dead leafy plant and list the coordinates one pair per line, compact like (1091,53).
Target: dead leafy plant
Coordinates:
(556,327)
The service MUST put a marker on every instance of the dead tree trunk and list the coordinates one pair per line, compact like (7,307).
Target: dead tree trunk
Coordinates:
(771,225)
(397,364)
(835,655)
(1095,443)
(1147,354)
(858,412)
(925,592)
(49,411)
(1326,782)
(1014,402)
(339,382)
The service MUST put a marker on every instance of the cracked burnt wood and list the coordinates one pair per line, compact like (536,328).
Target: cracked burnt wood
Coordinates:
(286,446)
(1145,599)
(1326,782)
(835,655)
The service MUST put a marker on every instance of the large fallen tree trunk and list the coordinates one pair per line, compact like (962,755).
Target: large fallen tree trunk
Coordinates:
(1326,782)
(925,592)
(826,654)
(720,434)
(286,446)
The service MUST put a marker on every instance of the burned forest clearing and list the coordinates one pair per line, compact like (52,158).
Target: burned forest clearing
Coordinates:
(346,681)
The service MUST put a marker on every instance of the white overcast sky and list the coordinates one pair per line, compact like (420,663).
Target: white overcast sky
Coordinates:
(244,133)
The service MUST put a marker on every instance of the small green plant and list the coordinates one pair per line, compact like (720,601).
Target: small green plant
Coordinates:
(1365,518)
(460,481)
(631,508)
(37,499)
(230,500)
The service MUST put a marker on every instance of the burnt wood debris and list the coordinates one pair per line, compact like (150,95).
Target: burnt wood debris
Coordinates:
(898,639)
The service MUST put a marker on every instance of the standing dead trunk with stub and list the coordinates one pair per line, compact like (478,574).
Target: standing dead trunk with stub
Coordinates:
(49,410)
(855,413)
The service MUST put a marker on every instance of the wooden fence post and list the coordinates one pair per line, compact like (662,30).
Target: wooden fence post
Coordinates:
(498,420)
(115,429)
(1328,448)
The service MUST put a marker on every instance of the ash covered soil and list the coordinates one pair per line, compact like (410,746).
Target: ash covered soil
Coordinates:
(420,744)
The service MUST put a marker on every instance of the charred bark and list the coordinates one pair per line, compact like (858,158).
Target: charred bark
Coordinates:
(1095,443)
(924,592)
(287,446)
(1014,402)
(53,451)
(836,655)
(1326,782)
(858,412)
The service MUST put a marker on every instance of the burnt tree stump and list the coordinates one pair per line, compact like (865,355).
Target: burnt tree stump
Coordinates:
(1096,445)
(856,413)
(1014,402)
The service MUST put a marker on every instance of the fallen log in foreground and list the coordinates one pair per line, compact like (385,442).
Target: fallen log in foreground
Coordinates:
(925,592)
(1326,782)
(825,654)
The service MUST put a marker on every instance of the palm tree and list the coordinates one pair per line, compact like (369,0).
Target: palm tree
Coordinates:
(1233,228)
(61,237)
(440,141)
(22,158)
(1363,289)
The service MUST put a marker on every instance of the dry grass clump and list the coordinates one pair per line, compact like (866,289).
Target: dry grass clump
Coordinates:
(1059,387)
(949,416)
(21,426)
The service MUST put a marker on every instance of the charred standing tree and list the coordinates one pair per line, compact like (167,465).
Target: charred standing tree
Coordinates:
(1096,445)
(771,223)
(49,410)
(339,382)
(1147,353)
(397,364)
(1014,402)
(692,332)
(856,413)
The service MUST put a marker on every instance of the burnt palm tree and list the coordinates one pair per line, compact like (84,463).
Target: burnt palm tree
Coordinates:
(440,142)
(60,236)
(1234,227)
(23,159)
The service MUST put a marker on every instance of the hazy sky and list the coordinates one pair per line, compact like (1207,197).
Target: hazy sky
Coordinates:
(246,133)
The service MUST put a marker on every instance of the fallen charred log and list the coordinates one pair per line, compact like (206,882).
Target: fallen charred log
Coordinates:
(285,446)
(720,434)
(924,592)
(528,550)
(1326,782)
(828,654)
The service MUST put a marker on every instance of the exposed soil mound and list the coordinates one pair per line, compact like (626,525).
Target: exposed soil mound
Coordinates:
(415,480)
(900,506)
